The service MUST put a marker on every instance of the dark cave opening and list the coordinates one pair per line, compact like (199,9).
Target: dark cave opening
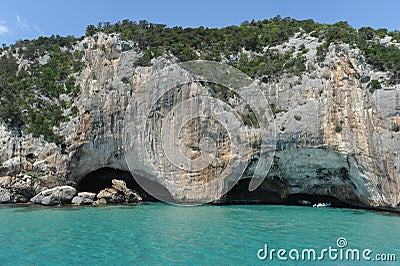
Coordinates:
(240,194)
(102,178)
(296,199)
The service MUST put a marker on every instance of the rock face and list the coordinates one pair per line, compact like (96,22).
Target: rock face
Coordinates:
(5,196)
(334,137)
(119,193)
(84,198)
(54,196)
(17,189)
(100,202)
(111,195)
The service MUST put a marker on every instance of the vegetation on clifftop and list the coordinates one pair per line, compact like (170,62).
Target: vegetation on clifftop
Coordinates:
(37,77)
(255,36)
(33,76)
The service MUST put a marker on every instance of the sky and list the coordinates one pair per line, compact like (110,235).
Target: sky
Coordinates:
(27,19)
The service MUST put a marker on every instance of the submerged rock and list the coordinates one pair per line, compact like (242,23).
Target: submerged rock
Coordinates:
(53,196)
(84,198)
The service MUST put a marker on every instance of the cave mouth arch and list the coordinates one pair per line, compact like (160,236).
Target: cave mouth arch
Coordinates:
(240,194)
(102,178)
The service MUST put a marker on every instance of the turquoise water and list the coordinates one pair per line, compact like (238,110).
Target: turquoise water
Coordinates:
(157,233)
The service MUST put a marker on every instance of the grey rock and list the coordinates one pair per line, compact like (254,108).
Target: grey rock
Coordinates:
(20,199)
(100,202)
(77,200)
(5,195)
(119,185)
(48,200)
(84,198)
(44,59)
(111,195)
(87,195)
(130,195)
(119,193)
(133,197)
(16,189)
(53,196)
(125,46)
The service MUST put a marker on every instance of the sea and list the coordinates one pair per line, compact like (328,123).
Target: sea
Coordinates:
(163,234)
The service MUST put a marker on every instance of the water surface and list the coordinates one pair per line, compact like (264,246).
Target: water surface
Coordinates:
(157,233)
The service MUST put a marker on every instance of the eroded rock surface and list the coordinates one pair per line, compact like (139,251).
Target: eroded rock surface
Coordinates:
(119,193)
(334,137)
(55,196)
(84,198)
(17,189)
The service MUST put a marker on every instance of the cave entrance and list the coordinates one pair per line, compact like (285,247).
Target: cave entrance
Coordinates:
(240,194)
(297,199)
(102,178)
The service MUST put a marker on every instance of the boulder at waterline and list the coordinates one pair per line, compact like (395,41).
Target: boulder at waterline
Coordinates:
(84,198)
(100,202)
(111,195)
(119,193)
(53,196)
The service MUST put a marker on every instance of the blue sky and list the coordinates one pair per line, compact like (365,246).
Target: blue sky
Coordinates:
(27,19)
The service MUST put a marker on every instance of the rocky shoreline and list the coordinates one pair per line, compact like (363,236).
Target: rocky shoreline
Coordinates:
(61,195)
(120,194)
(23,190)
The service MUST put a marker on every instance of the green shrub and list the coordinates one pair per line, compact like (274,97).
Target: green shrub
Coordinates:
(254,36)
(29,97)
(297,117)
(303,49)
(74,111)
(395,127)
(276,110)
(338,128)
(374,85)
(125,80)
(22,93)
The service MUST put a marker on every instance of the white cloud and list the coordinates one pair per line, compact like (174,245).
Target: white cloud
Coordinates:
(21,22)
(38,29)
(3,28)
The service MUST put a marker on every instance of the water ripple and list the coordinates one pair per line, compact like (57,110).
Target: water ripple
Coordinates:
(156,233)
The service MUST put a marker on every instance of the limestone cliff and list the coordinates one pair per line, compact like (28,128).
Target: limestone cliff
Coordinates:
(334,136)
